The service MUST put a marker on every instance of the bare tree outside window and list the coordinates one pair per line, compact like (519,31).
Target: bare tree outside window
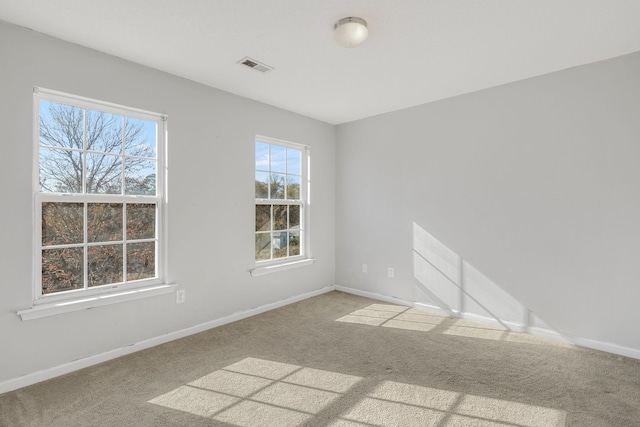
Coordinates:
(114,147)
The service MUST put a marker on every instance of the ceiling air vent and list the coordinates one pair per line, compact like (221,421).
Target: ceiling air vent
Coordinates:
(255,65)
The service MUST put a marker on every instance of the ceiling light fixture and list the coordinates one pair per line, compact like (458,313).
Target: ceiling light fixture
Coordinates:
(350,32)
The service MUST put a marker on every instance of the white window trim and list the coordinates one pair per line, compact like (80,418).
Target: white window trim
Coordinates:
(91,301)
(272,268)
(296,261)
(52,304)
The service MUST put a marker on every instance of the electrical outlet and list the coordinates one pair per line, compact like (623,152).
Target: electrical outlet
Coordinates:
(181,296)
(390,272)
(364,268)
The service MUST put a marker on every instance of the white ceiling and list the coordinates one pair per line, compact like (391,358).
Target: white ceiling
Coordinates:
(418,51)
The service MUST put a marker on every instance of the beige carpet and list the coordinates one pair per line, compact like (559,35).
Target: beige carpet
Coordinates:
(342,361)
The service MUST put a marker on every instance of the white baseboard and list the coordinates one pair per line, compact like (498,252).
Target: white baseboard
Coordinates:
(375,296)
(519,327)
(29,379)
(607,346)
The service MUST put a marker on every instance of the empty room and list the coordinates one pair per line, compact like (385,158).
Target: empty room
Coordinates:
(339,213)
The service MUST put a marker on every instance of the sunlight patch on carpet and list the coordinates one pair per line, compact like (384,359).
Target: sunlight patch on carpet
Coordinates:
(400,317)
(393,316)
(263,393)
(260,393)
(397,404)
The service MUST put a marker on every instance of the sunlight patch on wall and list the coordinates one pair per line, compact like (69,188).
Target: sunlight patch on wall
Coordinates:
(447,281)
(454,285)
(438,268)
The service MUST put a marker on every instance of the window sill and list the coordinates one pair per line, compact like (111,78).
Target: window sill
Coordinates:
(87,302)
(272,268)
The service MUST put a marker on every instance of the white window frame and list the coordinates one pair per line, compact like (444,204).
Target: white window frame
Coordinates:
(304,258)
(100,295)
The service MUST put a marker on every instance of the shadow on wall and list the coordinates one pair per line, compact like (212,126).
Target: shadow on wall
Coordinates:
(455,287)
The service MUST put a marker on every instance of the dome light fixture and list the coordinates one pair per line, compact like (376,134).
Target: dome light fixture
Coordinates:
(350,31)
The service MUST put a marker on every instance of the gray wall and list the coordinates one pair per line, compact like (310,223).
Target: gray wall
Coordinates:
(533,186)
(211,184)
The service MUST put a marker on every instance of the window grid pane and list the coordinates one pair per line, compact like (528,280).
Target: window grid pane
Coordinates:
(141,261)
(60,170)
(104,222)
(141,221)
(105,265)
(263,246)
(62,269)
(62,223)
(60,125)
